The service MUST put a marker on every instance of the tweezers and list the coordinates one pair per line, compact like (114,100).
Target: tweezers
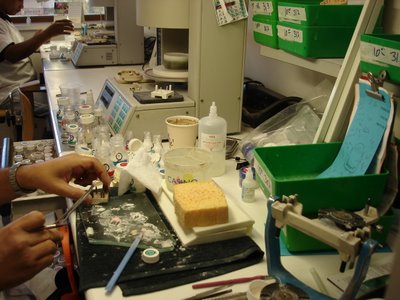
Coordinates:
(64,219)
(214,292)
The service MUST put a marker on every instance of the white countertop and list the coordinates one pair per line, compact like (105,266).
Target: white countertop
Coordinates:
(298,265)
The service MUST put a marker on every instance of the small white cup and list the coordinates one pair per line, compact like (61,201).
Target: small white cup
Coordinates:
(182,131)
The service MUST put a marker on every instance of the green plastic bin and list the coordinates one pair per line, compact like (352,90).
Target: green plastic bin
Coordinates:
(314,41)
(311,13)
(286,170)
(264,31)
(381,52)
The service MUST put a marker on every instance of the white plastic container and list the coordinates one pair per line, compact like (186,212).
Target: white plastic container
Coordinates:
(248,187)
(212,136)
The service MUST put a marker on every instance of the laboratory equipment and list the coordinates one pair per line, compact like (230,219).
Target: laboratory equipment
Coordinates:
(123,46)
(349,243)
(124,112)
(215,53)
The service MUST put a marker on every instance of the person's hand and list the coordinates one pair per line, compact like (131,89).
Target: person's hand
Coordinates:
(53,176)
(26,249)
(57,28)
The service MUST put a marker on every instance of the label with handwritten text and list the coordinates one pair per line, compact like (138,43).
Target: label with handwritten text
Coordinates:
(290,34)
(262,7)
(292,14)
(379,54)
(263,28)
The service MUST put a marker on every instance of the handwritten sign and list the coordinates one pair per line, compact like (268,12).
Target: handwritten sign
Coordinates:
(262,7)
(263,28)
(290,34)
(292,14)
(379,54)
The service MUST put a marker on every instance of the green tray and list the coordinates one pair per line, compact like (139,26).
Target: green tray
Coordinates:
(264,31)
(267,8)
(314,41)
(286,170)
(311,13)
(381,52)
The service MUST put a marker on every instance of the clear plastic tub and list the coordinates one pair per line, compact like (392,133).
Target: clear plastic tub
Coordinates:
(184,165)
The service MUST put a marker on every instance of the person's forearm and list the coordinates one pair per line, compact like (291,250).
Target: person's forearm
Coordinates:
(24,49)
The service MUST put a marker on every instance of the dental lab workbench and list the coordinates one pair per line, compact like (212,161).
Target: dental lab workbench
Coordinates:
(299,265)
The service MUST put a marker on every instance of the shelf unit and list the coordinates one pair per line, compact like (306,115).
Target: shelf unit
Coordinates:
(325,66)
(335,119)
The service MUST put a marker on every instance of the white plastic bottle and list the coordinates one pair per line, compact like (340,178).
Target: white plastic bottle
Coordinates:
(212,136)
(248,187)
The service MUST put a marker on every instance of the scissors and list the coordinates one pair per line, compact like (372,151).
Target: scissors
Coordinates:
(64,219)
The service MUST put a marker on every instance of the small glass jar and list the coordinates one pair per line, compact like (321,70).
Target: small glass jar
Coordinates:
(62,102)
(87,121)
(40,147)
(85,109)
(19,150)
(18,158)
(37,156)
(118,151)
(69,118)
(48,149)
(72,130)
(30,148)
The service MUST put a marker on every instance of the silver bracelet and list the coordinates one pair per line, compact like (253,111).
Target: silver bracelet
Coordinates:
(13,180)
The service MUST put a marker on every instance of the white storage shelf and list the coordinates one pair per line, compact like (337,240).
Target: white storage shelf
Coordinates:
(325,66)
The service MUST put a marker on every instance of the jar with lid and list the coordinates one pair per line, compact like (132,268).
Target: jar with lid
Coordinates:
(89,98)
(87,121)
(147,142)
(36,155)
(69,118)
(118,151)
(19,150)
(85,109)
(102,154)
(18,158)
(30,148)
(72,130)
(98,116)
(62,102)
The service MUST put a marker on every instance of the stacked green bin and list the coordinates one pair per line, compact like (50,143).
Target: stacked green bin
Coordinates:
(308,29)
(287,170)
(265,17)
(381,52)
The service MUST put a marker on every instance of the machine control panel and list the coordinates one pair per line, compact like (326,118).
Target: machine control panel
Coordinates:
(124,112)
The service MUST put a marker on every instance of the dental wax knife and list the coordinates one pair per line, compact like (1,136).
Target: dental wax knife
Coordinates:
(64,219)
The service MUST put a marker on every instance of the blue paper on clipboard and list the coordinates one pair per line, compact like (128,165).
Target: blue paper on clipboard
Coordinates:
(364,136)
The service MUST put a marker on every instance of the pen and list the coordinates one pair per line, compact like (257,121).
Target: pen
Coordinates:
(228,281)
(111,283)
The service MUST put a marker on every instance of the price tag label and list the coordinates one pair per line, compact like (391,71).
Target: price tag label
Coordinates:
(379,54)
(290,34)
(292,14)
(262,7)
(263,28)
